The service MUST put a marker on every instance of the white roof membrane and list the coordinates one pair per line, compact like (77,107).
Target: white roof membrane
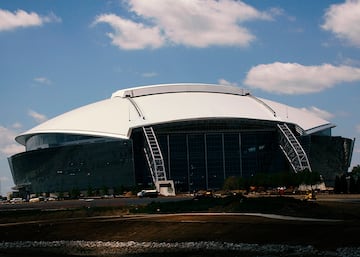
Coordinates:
(143,106)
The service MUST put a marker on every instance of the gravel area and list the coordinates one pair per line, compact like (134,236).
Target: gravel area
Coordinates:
(111,248)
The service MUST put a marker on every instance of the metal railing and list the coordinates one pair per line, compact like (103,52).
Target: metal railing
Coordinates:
(292,149)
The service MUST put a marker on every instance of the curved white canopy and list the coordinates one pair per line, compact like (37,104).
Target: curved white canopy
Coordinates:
(143,106)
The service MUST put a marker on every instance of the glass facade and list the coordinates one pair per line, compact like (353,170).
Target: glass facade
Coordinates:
(330,156)
(197,155)
(77,166)
(201,156)
(48,140)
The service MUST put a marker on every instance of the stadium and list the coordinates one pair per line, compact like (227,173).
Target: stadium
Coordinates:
(178,138)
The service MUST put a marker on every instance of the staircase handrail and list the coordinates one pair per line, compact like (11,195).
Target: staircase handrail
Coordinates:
(300,154)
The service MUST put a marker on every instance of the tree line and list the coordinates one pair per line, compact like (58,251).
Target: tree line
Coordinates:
(348,183)
(273,180)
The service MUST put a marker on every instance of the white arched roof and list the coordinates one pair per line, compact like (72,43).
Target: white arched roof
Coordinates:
(143,106)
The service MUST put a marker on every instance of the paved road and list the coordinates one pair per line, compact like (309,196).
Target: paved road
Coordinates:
(346,198)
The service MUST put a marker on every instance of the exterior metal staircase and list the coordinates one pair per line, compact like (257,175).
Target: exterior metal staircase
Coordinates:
(156,164)
(292,149)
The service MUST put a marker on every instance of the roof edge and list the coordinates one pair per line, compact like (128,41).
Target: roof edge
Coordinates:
(21,139)
(179,88)
(320,128)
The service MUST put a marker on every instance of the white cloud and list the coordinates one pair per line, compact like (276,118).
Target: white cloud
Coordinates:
(22,19)
(37,116)
(343,20)
(3,179)
(318,112)
(17,125)
(345,60)
(8,146)
(131,35)
(43,80)
(195,23)
(294,78)
(149,74)
(227,83)
(51,18)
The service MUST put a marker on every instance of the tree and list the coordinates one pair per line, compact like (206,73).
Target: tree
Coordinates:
(105,190)
(343,184)
(119,190)
(357,186)
(337,186)
(309,178)
(90,191)
(231,183)
(75,193)
(352,185)
(356,170)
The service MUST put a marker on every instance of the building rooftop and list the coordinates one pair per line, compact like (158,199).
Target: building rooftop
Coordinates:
(156,104)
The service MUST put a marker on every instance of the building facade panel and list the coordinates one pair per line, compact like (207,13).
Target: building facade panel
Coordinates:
(202,156)
(330,156)
(83,166)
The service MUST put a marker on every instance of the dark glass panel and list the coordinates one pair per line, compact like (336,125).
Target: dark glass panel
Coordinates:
(215,164)
(232,155)
(197,164)
(178,161)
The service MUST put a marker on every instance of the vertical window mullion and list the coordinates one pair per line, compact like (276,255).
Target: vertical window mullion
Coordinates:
(206,163)
(223,154)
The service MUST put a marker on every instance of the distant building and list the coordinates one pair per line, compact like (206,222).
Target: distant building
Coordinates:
(181,137)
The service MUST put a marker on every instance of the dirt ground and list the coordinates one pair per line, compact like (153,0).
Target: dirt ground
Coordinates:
(325,235)
(179,228)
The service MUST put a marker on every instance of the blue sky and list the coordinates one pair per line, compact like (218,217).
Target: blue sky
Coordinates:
(59,55)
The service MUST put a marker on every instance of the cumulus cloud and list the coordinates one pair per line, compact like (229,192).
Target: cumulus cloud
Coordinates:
(131,35)
(8,146)
(343,20)
(320,113)
(227,83)
(38,117)
(195,23)
(22,19)
(294,78)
